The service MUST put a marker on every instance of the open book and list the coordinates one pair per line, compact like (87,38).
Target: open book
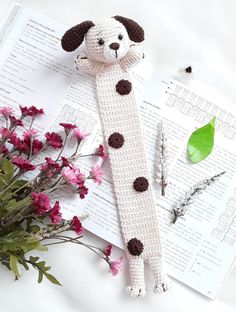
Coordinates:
(201,247)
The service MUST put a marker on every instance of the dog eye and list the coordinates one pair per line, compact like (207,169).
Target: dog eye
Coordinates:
(120,37)
(100,42)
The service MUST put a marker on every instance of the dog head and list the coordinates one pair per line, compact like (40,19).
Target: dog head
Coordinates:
(107,41)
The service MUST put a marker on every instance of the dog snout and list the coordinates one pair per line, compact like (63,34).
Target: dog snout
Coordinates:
(114,46)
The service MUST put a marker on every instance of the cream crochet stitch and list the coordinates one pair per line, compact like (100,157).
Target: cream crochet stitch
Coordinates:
(113,46)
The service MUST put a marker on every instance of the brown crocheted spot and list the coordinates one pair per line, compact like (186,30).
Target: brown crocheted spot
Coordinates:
(116,140)
(188,69)
(123,87)
(73,38)
(134,31)
(140,184)
(135,247)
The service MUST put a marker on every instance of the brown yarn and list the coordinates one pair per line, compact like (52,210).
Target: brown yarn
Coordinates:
(140,184)
(135,32)
(116,140)
(73,37)
(123,87)
(135,247)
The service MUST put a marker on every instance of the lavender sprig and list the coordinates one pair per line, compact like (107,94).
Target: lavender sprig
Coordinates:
(189,197)
(162,166)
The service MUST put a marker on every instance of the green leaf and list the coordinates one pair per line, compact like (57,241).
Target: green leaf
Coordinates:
(42,270)
(40,277)
(41,247)
(201,142)
(8,169)
(34,228)
(18,240)
(10,205)
(6,196)
(25,265)
(13,265)
(52,279)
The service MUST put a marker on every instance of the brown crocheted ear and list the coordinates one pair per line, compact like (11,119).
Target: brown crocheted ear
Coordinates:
(73,38)
(135,31)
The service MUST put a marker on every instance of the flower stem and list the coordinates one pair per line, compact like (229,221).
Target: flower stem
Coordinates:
(62,149)
(75,241)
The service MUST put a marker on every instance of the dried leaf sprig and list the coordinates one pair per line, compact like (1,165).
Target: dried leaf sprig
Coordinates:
(189,197)
(162,165)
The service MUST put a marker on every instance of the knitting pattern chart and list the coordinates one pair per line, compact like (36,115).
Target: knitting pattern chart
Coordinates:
(226,227)
(190,104)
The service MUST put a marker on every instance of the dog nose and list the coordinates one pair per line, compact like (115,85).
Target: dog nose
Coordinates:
(114,46)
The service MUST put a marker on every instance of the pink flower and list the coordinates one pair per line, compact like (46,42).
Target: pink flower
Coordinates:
(73,175)
(41,202)
(55,213)
(83,191)
(53,139)
(19,144)
(100,152)
(115,266)
(96,174)
(69,175)
(77,226)
(36,146)
(6,111)
(79,135)
(52,163)
(5,133)
(29,134)
(31,111)
(108,250)
(15,122)
(23,164)
(4,150)
(67,126)
(49,166)
(65,162)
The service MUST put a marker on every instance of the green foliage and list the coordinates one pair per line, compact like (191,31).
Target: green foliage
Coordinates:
(42,270)
(201,142)
(18,240)
(7,170)
(14,266)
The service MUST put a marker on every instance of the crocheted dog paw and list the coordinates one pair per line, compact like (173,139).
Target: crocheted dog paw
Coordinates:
(160,277)
(82,62)
(162,285)
(82,56)
(136,292)
(137,51)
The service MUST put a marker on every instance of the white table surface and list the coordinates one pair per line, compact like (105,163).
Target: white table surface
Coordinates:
(177,31)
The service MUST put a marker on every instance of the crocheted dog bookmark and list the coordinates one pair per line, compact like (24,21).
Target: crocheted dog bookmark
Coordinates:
(113,46)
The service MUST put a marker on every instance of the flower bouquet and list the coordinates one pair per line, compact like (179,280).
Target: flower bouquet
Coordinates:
(29,220)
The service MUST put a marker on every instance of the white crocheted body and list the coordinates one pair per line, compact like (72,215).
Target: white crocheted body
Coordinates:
(137,209)
(119,114)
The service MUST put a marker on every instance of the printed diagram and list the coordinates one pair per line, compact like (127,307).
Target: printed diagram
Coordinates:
(226,228)
(85,121)
(202,110)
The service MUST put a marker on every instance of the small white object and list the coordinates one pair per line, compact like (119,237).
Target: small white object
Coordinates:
(187,72)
